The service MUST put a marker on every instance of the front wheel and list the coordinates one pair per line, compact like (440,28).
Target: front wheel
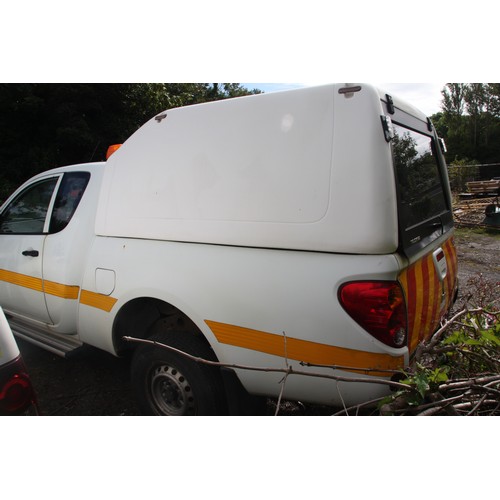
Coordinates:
(168,383)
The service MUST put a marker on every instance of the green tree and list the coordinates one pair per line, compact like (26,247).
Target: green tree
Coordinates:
(454,98)
(475,101)
(470,121)
(453,106)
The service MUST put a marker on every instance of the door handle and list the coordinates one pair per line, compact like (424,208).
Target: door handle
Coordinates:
(31,253)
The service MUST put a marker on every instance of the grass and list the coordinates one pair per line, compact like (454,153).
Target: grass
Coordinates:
(468,232)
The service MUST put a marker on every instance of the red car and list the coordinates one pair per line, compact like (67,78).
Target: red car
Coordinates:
(17,396)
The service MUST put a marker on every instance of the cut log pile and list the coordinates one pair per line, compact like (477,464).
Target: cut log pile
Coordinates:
(471,212)
(491,187)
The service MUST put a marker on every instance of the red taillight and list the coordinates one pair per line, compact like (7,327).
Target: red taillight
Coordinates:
(379,307)
(16,393)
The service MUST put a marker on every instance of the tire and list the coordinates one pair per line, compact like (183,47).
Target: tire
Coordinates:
(168,383)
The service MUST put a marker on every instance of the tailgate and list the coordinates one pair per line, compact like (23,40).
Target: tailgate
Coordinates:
(429,285)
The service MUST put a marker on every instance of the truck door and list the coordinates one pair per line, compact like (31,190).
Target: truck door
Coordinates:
(23,229)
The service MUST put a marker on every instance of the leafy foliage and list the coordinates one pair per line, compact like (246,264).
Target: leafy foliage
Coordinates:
(470,122)
(457,372)
(460,172)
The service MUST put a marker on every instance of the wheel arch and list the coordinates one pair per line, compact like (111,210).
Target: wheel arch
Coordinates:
(137,317)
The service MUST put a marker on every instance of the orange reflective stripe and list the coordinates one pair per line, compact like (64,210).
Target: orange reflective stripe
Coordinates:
(410,292)
(303,350)
(61,291)
(39,285)
(423,291)
(417,325)
(451,260)
(70,292)
(436,301)
(21,280)
(97,300)
(428,286)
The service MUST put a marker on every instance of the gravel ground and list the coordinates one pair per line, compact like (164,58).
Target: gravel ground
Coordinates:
(478,253)
(96,383)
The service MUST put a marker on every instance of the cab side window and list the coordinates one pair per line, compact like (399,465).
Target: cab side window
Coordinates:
(26,214)
(67,200)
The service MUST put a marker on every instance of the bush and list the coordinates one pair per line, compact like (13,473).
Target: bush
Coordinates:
(460,173)
(457,372)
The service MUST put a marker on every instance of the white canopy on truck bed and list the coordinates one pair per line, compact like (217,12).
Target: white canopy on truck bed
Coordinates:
(306,169)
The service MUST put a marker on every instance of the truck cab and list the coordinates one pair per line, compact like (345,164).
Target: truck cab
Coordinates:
(46,230)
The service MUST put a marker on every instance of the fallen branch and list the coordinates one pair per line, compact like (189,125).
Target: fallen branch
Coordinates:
(466,383)
(283,380)
(286,371)
(371,403)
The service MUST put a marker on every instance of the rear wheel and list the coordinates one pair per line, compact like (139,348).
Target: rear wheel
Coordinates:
(168,383)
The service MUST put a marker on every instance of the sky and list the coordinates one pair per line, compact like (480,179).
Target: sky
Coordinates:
(424,96)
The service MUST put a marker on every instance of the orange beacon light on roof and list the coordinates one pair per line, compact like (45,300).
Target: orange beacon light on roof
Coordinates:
(112,149)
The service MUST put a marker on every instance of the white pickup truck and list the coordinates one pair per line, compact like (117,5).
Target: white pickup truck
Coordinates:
(308,230)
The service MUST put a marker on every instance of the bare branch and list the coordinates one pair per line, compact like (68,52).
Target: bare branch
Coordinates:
(286,371)
(479,403)
(283,380)
(345,411)
(466,383)
(350,368)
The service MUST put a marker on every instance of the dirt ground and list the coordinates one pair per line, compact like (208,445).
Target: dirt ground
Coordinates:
(478,253)
(96,383)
